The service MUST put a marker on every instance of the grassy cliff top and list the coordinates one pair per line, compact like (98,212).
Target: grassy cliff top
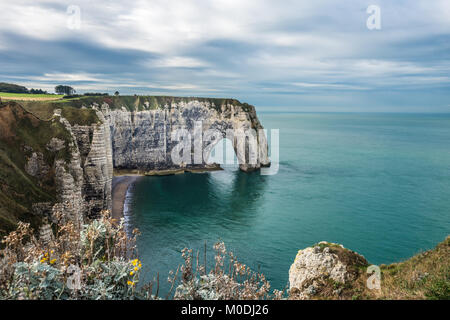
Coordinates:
(29,96)
(72,107)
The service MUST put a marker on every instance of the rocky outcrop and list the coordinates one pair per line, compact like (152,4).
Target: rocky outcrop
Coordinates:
(55,145)
(36,166)
(322,269)
(69,180)
(94,143)
(91,169)
(144,140)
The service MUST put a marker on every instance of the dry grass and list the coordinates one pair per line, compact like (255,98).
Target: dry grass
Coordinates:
(424,276)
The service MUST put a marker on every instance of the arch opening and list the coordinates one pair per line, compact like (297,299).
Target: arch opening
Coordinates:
(223,153)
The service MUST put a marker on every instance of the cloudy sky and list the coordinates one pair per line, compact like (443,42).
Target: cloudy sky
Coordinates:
(303,55)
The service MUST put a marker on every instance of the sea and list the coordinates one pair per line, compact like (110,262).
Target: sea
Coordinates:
(377,183)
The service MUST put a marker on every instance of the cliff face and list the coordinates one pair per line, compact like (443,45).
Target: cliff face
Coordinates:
(85,140)
(143,140)
(91,166)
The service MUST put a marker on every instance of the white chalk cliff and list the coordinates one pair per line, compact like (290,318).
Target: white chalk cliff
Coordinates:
(142,141)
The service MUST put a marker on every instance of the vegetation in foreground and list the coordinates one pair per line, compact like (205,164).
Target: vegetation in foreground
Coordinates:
(98,261)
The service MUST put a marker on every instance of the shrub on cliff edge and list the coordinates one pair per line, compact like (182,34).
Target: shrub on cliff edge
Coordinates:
(96,262)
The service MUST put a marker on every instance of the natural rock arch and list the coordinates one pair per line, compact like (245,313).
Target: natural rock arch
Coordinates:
(224,153)
(144,140)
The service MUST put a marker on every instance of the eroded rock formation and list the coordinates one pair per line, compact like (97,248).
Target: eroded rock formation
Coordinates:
(143,140)
(323,270)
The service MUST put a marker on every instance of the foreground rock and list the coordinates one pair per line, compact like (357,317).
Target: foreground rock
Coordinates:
(323,271)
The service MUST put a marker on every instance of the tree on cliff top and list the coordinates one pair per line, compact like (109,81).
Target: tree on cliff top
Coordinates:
(67,90)
(12,88)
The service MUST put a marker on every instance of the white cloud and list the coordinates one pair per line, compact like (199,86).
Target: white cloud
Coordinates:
(266,44)
(336,86)
(30,19)
(176,62)
(67,77)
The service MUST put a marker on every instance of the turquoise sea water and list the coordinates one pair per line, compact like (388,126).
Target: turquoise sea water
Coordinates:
(377,183)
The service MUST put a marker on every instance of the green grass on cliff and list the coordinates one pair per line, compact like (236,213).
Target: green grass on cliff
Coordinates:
(29,96)
(73,111)
(140,103)
(21,134)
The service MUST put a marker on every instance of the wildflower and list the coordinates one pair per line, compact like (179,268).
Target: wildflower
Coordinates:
(130,283)
(131,273)
(43,260)
(137,264)
(52,261)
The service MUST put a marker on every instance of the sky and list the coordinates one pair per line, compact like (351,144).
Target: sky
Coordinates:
(289,55)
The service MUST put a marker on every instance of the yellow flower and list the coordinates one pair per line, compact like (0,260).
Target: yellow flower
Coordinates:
(134,262)
(43,260)
(131,273)
(130,283)
(136,268)
(52,261)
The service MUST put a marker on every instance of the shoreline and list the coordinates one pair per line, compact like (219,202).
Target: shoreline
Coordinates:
(119,189)
(164,172)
